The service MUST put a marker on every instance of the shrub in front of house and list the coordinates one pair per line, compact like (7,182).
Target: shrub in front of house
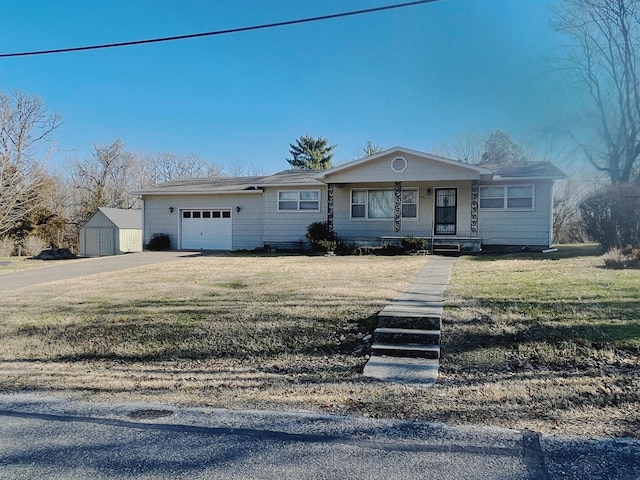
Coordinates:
(322,237)
(158,242)
(414,244)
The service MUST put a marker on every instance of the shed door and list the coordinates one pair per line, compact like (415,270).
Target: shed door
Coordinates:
(446,211)
(206,229)
(100,241)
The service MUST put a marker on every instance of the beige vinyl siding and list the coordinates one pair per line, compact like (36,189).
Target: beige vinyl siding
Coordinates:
(99,220)
(519,227)
(157,219)
(247,224)
(380,170)
(130,240)
(362,229)
(288,228)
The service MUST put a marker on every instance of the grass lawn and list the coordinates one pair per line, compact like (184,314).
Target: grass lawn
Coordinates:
(13,264)
(548,342)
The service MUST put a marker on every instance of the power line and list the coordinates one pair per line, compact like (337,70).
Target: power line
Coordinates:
(218,32)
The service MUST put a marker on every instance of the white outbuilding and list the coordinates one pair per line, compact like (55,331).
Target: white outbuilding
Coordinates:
(111,231)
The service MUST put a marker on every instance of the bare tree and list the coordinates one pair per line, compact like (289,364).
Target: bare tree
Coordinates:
(239,168)
(466,147)
(103,180)
(152,169)
(603,55)
(568,226)
(24,127)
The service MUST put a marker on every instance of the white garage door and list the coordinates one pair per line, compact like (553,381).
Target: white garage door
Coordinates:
(206,229)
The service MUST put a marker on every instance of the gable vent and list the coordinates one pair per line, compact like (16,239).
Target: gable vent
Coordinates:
(399,164)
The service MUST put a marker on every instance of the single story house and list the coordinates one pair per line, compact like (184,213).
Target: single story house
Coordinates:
(373,200)
(111,231)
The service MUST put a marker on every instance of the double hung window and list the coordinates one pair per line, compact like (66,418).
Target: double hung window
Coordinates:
(298,200)
(506,197)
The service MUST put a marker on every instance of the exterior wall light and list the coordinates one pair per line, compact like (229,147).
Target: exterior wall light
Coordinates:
(238,209)
(170,209)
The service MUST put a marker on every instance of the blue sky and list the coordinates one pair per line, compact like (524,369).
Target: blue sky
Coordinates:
(414,77)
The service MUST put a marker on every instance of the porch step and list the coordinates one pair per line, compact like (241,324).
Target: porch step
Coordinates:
(406,335)
(447,249)
(408,350)
(427,322)
(412,371)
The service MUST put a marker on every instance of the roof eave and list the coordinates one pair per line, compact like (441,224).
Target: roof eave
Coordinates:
(315,183)
(529,177)
(198,192)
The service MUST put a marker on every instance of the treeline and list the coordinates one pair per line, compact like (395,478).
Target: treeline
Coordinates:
(40,208)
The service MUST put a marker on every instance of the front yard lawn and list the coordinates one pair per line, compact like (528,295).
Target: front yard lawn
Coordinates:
(528,342)
(13,264)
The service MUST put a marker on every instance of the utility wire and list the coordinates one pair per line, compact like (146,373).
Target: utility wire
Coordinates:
(218,32)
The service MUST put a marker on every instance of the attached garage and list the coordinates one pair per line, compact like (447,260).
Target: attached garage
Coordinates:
(206,229)
(111,231)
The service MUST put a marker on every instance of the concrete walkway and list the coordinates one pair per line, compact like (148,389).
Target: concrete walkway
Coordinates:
(425,296)
(422,300)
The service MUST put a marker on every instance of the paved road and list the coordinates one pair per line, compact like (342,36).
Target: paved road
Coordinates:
(57,439)
(54,270)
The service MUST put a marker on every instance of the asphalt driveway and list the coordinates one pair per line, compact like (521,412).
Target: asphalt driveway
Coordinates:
(55,270)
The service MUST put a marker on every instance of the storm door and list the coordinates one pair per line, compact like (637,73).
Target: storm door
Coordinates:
(446,211)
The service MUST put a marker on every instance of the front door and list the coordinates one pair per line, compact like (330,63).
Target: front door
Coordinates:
(446,211)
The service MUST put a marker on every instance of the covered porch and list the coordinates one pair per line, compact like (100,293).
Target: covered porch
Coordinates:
(444,214)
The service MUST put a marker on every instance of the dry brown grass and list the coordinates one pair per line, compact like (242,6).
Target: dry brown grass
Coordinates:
(13,264)
(546,341)
(284,333)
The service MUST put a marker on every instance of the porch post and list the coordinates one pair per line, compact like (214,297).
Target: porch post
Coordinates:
(397,207)
(330,206)
(475,193)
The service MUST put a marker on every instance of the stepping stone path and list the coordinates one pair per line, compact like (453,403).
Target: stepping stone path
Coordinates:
(406,344)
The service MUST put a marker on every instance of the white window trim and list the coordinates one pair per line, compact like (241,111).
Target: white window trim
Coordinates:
(298,210)
(404,164)
(366,205)
(505,198)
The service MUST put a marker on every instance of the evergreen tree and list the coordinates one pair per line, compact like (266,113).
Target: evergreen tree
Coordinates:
(311,153)
(499,148)
(371,148)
